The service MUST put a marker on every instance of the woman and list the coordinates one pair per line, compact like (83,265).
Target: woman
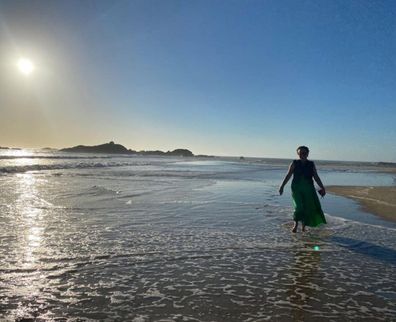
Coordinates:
(307,207)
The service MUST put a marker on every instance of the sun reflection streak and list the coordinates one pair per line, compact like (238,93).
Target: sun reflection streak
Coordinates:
(30,208)
(17,152)
(29,215)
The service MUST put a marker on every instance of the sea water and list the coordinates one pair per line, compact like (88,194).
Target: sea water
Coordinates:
(132,238)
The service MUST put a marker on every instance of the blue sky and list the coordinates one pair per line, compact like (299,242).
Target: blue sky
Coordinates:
(247,77)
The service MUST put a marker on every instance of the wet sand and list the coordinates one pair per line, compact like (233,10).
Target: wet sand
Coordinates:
(380,201)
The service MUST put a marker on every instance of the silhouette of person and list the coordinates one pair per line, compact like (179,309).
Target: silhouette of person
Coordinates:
(307,208)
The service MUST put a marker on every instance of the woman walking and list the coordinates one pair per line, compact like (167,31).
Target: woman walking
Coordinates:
(307,208)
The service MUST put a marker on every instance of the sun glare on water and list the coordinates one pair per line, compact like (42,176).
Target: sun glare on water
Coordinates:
(25,66)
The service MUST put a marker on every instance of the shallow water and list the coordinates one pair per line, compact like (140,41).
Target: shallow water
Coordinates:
(168,239)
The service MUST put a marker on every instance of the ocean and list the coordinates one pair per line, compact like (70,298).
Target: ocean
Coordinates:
(130,238)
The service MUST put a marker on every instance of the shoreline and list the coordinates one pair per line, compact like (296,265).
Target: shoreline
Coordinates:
(380,201)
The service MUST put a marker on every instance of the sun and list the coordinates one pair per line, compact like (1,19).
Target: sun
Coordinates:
(25,66)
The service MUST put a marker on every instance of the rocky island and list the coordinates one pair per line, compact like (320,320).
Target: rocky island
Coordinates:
(113,148)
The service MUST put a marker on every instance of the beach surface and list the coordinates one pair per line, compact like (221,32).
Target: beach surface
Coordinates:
(380,201)
(90,237)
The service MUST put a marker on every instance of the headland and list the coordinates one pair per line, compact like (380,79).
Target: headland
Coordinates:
(113,148)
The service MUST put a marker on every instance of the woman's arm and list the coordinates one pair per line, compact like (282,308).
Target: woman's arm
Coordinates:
(287,178)
(318,181)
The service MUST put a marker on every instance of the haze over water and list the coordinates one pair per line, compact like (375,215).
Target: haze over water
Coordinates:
(183,239)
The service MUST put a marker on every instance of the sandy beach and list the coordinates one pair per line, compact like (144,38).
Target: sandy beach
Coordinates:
(380,201)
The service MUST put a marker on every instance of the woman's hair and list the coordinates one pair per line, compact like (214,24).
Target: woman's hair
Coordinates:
(303,147)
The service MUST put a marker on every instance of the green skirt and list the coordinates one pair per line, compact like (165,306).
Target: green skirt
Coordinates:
(307,208)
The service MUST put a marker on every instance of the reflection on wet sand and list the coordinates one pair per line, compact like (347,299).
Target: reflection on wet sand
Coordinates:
(31,224)
(29,206)
(302,293)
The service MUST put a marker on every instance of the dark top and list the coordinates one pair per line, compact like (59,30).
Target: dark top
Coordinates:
(303,170)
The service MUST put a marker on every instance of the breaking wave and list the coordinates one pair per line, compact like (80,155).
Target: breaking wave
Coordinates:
(59,166)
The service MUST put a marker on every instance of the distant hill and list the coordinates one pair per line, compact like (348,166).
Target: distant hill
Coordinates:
(110,148)
(113,148)
(181,153)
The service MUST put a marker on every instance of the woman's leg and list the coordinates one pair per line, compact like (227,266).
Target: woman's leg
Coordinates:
(298,208)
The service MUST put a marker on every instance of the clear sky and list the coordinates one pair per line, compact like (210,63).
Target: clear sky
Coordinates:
(224,77)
